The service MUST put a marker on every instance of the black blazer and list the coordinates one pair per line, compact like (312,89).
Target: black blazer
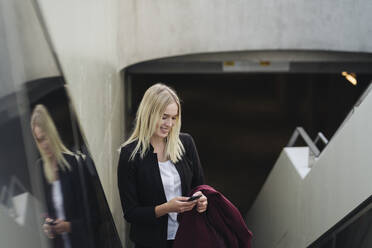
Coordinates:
(141,189)
(72,191)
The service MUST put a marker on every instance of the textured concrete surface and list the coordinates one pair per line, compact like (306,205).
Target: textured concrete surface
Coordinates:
(84,36)
(155,29)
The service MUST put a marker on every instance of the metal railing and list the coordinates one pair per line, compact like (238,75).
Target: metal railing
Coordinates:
(322,138)
(300,132)
(7,194)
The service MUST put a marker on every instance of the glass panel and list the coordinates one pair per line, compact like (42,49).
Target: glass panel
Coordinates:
(50,192)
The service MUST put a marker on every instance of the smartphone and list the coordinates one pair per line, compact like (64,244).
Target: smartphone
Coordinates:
(51,223)
(194,197)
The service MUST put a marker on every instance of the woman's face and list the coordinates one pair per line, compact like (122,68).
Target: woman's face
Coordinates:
(167,121)
(43,141)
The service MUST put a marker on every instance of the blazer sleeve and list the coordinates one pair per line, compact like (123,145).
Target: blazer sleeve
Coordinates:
(128,190)
(198,174)
(85,191)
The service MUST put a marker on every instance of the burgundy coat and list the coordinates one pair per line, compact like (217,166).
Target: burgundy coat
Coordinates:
(220,226)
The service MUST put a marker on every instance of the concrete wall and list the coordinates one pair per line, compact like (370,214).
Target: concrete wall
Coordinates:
(293,212)
(21,41)
(268,218)
(84,34)
(341,178)
(155,29)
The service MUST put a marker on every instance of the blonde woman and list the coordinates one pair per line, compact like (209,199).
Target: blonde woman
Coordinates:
(158,167)
(61,180)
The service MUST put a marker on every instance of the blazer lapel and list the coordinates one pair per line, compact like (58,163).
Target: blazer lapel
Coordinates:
(67,189)
(157,178)
(181,172)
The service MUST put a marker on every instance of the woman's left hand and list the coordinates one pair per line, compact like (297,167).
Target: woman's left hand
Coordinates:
(202,202)
(61,226)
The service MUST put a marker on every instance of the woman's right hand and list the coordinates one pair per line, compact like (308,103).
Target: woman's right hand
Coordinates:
(48,228)
(180,204)
(176,205)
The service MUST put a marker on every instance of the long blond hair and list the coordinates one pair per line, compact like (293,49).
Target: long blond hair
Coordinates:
(40,117)
(151,109)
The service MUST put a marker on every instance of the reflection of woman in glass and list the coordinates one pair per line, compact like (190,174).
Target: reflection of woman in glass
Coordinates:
(158,167)
(63,189)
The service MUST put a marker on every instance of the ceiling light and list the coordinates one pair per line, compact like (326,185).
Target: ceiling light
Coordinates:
(351,77)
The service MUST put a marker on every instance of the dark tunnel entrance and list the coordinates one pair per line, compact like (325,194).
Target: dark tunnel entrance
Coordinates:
(242,121)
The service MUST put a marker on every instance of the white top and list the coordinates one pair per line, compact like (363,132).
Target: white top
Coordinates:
(172,188)
(58,206)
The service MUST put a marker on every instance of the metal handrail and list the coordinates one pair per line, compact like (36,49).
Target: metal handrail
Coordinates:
(3,194)
(299,131)
(7,194)
(15,182)
(322,138)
